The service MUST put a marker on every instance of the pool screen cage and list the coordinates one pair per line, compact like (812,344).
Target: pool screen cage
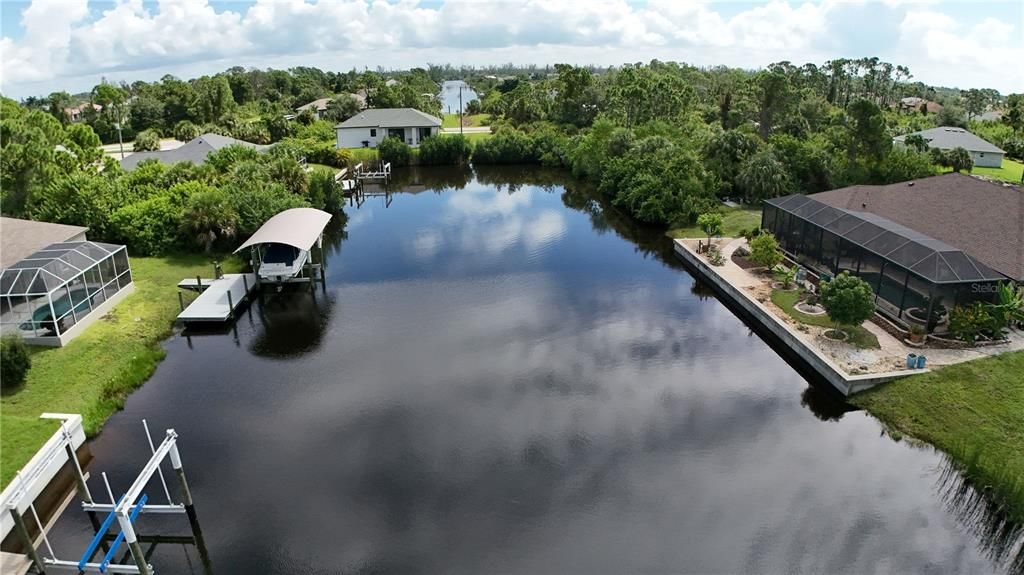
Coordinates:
(47,293)
(917,279)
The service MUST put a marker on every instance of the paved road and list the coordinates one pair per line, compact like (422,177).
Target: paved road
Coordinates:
(114,150)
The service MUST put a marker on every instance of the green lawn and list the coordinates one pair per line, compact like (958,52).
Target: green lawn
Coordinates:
(364,154)
(471,120)
(330,169)
(858,336)
(473,136)
(735,220)
(94,373)
(973,411)
(1010,172)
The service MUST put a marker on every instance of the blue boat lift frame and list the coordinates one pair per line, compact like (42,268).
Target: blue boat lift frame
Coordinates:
(125,511)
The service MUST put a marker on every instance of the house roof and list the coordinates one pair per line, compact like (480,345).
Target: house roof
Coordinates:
(319,105)
(983,219)
(390,118)
(194,151)
(924,255)
(297,227)
(947,138)
(22,238)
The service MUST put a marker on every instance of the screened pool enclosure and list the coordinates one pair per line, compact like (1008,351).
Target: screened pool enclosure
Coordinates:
(916,278)
(47,294)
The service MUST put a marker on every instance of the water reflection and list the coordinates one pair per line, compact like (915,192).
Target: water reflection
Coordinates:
(493,372)
(291,322)
(1001,538)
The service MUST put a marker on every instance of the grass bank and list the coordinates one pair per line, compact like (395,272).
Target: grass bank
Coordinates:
(94,373)
(974,412)
(734,220)
(856,335)
(469,120)
(1010,171)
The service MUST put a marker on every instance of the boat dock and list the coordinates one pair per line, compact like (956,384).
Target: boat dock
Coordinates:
(218,298)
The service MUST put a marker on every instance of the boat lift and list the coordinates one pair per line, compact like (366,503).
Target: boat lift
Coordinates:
(125,510)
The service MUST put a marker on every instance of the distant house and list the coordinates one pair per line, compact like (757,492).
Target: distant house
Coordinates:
(316,106)
(369,127)
(320,106)
(77,113)
(913,104)
(194,151)
(984,154)
(991,116)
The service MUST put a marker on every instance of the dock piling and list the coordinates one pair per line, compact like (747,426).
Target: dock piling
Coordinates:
(181,301)
(32,554)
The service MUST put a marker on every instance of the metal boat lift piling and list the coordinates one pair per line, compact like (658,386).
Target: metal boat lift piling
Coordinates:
(124,510)
(355,188)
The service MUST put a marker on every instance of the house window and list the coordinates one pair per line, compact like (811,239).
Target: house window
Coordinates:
(373,132)
(424,133)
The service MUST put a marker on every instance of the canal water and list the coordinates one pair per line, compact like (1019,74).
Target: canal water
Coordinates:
(504,375)
(450,96)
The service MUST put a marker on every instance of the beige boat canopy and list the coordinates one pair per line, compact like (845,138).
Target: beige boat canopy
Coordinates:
(297,227)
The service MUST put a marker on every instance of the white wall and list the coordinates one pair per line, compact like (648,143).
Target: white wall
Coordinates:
(354,137)
(987,159)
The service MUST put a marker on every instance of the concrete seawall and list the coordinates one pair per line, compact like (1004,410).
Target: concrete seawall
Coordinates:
(817,361)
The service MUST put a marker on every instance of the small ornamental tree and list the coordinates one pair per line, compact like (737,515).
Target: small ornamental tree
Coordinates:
(847,299)
(764,251)
(711,223)
(960,160)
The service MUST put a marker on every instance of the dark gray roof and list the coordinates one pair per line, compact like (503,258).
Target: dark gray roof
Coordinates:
(194,151)
(947,138)
(924,255)
(984,219)
(390,118)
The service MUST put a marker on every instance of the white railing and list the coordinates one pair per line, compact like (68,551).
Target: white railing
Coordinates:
(41,469)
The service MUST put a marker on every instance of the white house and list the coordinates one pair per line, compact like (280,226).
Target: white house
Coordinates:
(946,138)
(369,127)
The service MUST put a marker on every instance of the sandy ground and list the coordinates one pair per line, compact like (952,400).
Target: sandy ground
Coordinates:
(892,353)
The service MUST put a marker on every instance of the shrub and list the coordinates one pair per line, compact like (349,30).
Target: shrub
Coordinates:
(149,227)
(255,204)
(15,361)
(967,323)
(960,160)
(324,192)
(394,150)
(147,141)
(185,131)
(225,158)
(445,150)
(764,251)
(506,147)
(847,299)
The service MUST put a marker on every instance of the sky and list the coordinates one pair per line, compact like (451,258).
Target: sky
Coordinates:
(49,45)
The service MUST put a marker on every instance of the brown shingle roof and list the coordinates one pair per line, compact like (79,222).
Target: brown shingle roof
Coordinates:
(984,219)
(22,238)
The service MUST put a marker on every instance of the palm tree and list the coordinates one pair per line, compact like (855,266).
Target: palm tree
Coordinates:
(209,215)
(763,176)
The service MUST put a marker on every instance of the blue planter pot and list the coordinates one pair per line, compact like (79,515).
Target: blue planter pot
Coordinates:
(911,360)
(920,362)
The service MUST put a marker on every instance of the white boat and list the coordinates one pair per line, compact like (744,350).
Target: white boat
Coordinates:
(279,262)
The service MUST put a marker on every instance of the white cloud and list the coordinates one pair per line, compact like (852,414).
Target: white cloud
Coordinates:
(63,46)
